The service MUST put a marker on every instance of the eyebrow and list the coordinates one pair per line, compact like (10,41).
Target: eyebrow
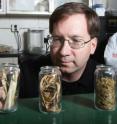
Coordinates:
(57,36)
(68,36)
(76,36)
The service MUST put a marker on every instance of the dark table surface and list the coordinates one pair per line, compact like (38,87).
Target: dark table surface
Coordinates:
(76,109)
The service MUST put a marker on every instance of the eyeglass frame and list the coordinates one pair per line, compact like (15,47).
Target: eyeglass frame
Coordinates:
(61,40)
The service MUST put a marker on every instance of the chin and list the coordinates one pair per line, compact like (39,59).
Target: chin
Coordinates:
(65,70)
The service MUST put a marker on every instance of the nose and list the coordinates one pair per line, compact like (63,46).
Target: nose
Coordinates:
(65,48)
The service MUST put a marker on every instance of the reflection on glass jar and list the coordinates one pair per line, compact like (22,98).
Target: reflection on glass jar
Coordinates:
(105,96)
(8,87)
(50,89)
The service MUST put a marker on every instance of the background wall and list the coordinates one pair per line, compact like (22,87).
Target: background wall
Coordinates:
(112,4)
(23,24)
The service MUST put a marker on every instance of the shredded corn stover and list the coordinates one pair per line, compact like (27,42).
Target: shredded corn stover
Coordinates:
(50,93)
(105,93)
(8,86)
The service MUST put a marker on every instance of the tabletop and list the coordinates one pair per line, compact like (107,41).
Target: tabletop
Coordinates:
(76,109)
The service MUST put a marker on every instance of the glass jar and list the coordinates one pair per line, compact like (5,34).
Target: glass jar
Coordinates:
(8,87)
(50,89)
(34,43)
(105,81)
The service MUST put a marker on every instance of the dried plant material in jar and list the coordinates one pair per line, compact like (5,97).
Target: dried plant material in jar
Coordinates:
(8,88)
(50,92)
(105,93)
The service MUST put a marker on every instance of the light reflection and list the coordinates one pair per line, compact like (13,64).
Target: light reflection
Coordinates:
(109,119)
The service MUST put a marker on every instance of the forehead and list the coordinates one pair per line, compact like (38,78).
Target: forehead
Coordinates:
(76,23)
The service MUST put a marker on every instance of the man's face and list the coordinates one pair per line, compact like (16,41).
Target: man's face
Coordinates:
(68,59)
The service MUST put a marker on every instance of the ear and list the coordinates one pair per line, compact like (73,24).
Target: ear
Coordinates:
(93,45)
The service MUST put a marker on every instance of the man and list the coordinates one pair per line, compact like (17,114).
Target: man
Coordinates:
(74,29)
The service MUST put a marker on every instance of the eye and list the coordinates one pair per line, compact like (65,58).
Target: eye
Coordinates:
(77,40)
(56,39)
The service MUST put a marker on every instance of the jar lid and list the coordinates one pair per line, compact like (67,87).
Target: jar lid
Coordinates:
(104,66)
(10,64)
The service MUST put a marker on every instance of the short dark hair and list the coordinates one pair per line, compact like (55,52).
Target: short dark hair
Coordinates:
(67,9)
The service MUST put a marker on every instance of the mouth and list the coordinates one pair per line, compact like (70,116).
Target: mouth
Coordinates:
(65,60)
(65,63)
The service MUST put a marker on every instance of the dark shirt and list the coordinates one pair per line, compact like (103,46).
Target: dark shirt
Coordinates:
(29,78)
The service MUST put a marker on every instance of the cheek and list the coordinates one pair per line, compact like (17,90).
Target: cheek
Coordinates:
(54,51)
(82,55)
(89,49)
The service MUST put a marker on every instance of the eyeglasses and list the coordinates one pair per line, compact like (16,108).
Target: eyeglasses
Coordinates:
(75,42)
